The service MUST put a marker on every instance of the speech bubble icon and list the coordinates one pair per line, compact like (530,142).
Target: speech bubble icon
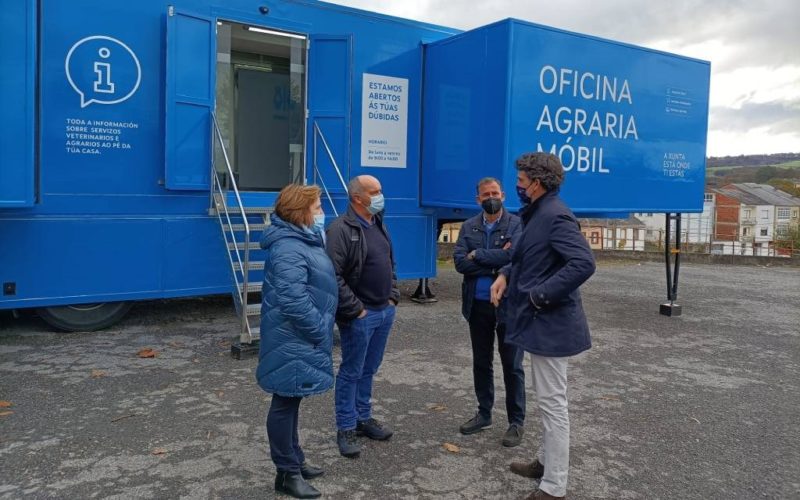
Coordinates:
(102,70)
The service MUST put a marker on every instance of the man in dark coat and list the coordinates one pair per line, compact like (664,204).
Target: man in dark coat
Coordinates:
(484,246)
(544,312)
(361,251)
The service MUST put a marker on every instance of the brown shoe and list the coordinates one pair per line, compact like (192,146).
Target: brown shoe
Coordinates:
(542,495)
(533,470)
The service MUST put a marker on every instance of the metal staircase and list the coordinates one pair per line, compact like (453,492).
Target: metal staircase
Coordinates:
(241,228)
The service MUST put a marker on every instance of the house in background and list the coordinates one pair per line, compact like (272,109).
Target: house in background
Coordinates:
(784,213)
(751,218)
(449,232)
(614,234)
(696,228)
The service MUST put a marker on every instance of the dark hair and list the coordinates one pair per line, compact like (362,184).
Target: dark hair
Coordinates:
(545,167)
(487,180)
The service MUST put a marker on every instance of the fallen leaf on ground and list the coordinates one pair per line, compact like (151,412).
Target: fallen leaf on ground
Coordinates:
(451,448)
(195,360)
(438,408)
(147,352)
(220,394)
(6,413)
(159,451)
(98,373)
(175,344)
(123,417)
(6,404)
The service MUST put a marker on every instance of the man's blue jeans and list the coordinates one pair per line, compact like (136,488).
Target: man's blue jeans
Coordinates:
(363,343)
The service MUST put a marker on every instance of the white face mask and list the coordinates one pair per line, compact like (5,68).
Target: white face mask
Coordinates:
(376,204)
(319,222)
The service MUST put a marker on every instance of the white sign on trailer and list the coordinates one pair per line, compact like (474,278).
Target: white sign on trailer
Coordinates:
(384,121)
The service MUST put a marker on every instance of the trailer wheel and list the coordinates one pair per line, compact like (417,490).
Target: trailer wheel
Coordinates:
(85,317)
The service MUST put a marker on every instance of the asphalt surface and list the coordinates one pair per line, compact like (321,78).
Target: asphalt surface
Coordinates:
(699,406)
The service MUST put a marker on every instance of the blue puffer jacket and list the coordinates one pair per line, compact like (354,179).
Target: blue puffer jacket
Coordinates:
(298,305)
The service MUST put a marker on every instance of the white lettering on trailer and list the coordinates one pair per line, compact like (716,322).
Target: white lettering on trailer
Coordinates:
(578,122)
(94,137)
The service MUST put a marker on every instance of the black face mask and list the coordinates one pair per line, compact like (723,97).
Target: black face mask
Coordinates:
(492,205)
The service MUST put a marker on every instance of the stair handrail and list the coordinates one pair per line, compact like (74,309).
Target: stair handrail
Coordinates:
(245,334)
(317,173)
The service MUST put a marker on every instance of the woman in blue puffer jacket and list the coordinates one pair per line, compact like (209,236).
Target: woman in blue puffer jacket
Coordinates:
(299,299)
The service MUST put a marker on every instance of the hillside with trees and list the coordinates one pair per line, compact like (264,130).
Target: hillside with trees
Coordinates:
(779,170)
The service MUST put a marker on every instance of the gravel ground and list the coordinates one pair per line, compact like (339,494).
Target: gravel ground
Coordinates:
(698,406)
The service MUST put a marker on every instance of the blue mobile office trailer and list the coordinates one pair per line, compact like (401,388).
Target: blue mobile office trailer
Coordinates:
(109,138)
(628,123)
(108,150)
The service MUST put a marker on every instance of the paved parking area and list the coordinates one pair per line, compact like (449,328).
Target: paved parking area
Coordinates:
(700,406)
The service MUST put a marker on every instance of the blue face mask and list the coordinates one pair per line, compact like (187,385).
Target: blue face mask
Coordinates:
(319,222)
(376,204)
(523,195)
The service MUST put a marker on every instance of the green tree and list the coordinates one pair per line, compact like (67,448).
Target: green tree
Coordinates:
(785,186)
(766,173)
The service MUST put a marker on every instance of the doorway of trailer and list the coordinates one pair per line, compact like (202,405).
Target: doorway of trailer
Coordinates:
(260,106)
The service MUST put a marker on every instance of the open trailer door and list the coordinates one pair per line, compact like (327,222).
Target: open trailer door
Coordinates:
(329,90)
(18,36)
(190,87)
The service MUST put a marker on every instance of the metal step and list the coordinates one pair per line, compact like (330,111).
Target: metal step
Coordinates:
(257,210)
(239,245)
(253,309)
(254,266)
(254,228)
(252,286)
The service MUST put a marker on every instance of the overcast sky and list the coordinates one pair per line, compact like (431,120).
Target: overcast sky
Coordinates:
(753,46)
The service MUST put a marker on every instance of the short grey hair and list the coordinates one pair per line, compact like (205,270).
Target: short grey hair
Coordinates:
(354,186)
(544,167)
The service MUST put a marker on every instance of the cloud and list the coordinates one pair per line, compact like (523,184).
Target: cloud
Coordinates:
(750,44)
(778,117)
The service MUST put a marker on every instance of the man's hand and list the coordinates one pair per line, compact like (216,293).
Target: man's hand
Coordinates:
(497,290)
(363,313)
(471,255)
(507,245)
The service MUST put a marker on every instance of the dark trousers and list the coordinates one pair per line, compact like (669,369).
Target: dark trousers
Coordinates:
(284,444)
(483,328)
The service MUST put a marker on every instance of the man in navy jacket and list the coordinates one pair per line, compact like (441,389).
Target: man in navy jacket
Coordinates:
(544,312)
(484,246)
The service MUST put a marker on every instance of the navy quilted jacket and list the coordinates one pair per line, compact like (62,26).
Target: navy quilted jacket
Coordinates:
(551,261)
(299,298)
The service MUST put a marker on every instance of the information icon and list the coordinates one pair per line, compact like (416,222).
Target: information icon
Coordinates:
(102,70)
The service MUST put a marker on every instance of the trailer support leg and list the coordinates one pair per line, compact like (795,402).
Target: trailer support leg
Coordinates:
(423,294)
(673,266)
(243,350)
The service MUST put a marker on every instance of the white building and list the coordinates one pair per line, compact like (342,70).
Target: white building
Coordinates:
(695,227)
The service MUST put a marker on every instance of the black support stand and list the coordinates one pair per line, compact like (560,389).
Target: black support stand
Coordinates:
(240,350)
(423,294)
(673,266)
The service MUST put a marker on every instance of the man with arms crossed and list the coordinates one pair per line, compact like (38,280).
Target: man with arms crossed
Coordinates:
(483,247)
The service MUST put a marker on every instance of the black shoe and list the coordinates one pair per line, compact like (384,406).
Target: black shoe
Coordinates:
(293,484)
(373,429)
(513,436)
(475,424)
(533,470)
(348,443)
(309,471)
